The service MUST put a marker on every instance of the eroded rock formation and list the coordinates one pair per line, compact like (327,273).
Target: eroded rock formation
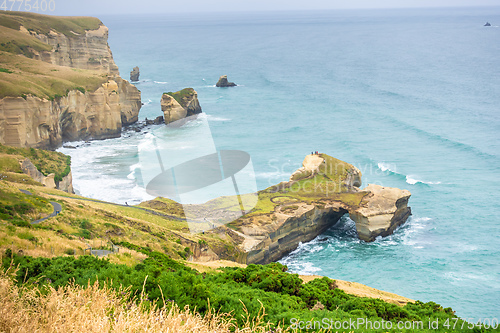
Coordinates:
(179,105)
(134,74)
(381,211)
(318,194)
(223,82)
(66,184)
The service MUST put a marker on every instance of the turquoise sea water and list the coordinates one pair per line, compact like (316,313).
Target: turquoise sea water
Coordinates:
(411,97)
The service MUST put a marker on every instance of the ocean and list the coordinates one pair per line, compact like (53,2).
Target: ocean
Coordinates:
(411,97)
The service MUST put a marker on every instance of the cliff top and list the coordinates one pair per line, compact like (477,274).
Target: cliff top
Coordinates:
(43,24)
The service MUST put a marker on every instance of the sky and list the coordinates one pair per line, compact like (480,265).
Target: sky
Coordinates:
(107,7)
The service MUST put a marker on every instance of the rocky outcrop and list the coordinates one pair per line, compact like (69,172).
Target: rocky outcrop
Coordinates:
(381,212)
(179,105)
(134,74)
(42,123)
(223,82)
(318,194)
(66,184)
(89,50)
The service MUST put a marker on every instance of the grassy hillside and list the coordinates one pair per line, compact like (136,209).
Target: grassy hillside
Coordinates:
(43,24)
(21,76)
(83,221)
(46,161)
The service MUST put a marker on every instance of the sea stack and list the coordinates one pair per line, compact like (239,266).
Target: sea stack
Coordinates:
(179,105)
(223,82)
(134,74)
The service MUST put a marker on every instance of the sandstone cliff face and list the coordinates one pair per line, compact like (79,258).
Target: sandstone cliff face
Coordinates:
(381,212)
(66,184)
(179,105)
(40,123)
(290,228)
(87,51)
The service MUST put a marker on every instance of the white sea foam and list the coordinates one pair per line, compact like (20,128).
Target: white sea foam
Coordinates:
(160,82)
(412,181)
(387,167)
(214,118)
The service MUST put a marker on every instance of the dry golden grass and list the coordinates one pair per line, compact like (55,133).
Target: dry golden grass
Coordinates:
(38,78)
(93,309)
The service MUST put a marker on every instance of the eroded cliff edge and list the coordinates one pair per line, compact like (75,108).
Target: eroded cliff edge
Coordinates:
(60,84)
(315,198)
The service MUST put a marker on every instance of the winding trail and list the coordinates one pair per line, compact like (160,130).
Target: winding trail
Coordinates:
(57,208)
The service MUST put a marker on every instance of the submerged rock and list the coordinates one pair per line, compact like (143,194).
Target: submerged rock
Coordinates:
(134,74)
(487,24)
(223,82)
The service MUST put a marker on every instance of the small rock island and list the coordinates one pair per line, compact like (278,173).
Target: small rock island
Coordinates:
(223,82)
(134,74)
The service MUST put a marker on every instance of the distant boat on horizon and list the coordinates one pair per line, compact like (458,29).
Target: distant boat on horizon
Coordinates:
(487,24)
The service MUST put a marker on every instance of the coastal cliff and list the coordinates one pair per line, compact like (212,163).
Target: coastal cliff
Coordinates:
(43,123)
(59,82)
(86,50)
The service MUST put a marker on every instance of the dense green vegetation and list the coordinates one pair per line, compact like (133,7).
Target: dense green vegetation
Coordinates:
(283,295)
(46,161)
(182,96)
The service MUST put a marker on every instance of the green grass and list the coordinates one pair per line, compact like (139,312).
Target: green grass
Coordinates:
(44,80)
(16,42)
(19,207)
(46,161)
(182,96)
(43,24)
(4,70)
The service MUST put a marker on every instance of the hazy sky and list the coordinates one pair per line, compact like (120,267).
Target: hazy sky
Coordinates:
(100,7)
